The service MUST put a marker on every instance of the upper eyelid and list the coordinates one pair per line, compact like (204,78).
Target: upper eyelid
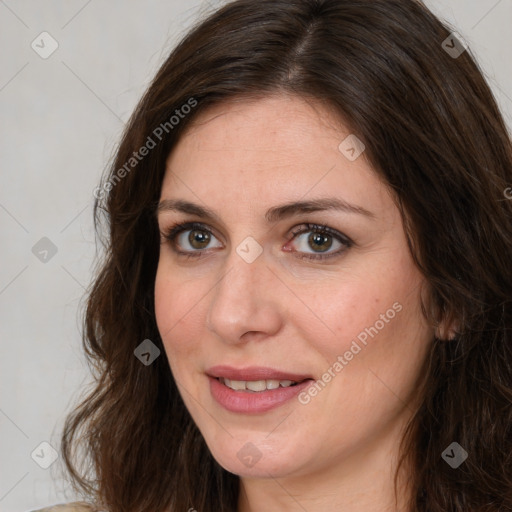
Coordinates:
(312,226)
(295,231)
(188,225)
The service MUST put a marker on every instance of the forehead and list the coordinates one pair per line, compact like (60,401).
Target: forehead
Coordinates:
(270,124)
(265,151)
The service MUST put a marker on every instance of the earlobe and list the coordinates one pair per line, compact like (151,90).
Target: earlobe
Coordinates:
(448,329)
(445,323)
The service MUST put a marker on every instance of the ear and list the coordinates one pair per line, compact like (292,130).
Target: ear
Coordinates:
(449,328)
(446,323)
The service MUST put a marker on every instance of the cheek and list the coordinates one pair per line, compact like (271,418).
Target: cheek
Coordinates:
(165,305)
(177,305)
(337,313)
(370,318)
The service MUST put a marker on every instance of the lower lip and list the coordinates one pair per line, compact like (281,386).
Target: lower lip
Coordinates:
(248,402)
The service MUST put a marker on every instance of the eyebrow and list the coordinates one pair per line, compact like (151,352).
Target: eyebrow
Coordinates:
(273,214)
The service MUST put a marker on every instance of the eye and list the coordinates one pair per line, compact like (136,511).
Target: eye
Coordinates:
(189,238)
(315,241)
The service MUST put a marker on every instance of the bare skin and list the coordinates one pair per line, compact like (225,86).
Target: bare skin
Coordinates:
(337,449)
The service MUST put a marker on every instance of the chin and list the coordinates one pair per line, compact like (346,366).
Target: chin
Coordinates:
(253,459)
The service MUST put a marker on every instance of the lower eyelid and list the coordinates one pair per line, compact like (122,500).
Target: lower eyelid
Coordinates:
(172,234)
(343,243)
(196,251)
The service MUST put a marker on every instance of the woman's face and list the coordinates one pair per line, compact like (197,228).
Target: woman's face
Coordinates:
(261,299)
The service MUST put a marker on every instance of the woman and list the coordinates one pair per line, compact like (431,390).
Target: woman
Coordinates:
(305,302)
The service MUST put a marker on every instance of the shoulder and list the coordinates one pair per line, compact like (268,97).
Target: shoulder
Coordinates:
(76,506)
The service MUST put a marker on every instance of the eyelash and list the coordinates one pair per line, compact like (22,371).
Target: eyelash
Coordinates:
(176,229)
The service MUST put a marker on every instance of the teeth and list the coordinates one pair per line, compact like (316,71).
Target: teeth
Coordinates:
(237,385)
(256,385)
(272,384)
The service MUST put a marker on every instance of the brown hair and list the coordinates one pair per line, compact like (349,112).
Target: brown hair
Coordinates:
(432,131)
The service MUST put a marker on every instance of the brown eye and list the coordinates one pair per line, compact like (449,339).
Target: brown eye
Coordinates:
(320,242)
(314,242)
(199,239)
(191,238)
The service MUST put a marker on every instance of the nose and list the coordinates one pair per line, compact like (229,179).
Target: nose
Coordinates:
(244,304)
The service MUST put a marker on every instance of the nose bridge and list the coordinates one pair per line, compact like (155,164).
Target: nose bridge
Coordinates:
(239,284)
(241,301)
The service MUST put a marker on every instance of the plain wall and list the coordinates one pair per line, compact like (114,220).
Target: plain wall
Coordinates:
(61,118)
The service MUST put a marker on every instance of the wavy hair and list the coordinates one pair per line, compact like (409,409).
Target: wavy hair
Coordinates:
(433,132)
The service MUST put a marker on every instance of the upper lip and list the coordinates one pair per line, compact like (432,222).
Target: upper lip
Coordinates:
(252,373)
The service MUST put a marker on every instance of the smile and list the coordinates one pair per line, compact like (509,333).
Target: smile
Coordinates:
(254,390)
(256,386)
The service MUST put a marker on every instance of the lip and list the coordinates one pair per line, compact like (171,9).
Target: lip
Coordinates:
(254,373)
(246,402)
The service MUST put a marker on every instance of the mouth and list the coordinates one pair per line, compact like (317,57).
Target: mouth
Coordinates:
(257,386)
(254,389)
(255,378)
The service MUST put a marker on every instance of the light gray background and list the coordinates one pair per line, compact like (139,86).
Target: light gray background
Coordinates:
(60,120)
